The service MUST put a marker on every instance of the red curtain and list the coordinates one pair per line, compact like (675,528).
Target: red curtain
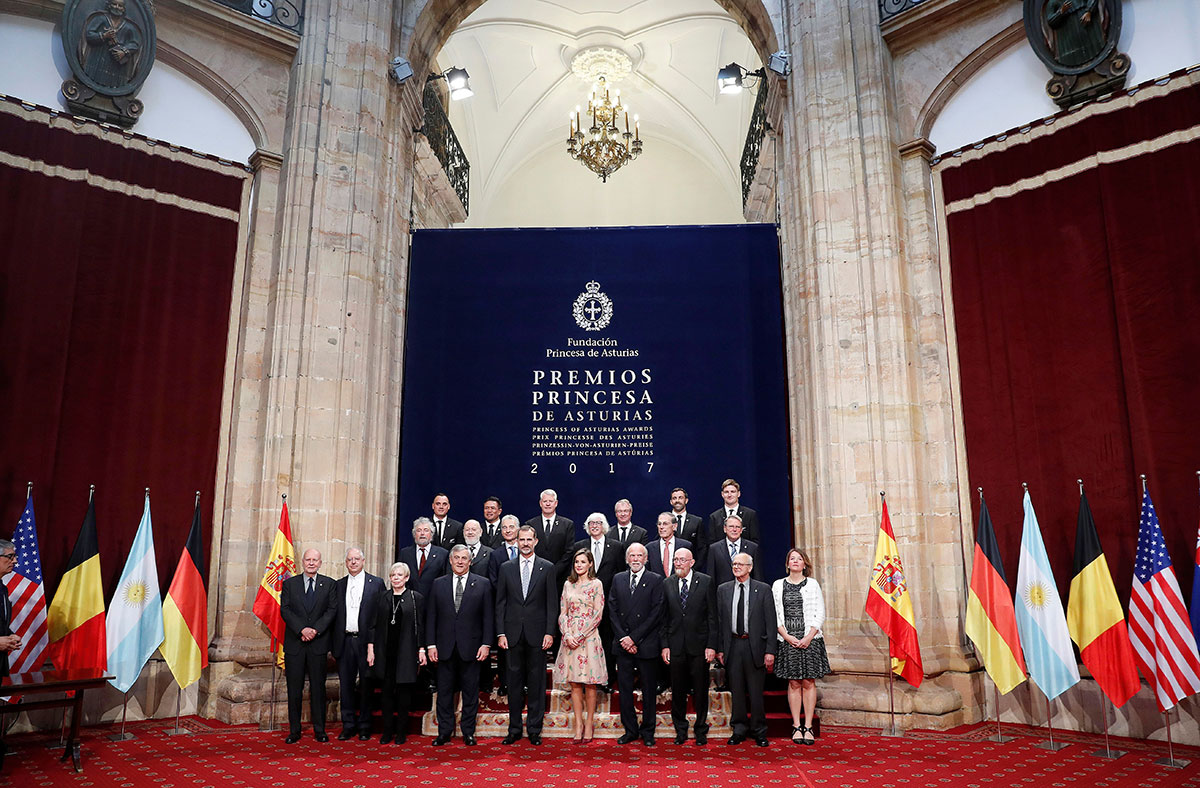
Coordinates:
(1075,307)
(114,311)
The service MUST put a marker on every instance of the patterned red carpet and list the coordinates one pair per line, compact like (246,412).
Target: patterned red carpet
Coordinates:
(223,756)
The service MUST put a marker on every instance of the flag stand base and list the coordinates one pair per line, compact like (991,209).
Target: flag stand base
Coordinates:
(121,737)
(1172,763)
(1112,755)
(179,732)
(999,739)
(1053,746)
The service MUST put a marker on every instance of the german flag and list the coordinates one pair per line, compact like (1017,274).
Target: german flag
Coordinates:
(185,613)
(77,637)
(1094,616)
(991,620)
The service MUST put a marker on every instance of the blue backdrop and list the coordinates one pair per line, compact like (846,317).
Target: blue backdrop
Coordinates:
(679,381)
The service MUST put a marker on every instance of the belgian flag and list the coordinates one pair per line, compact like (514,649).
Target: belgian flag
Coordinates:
(185,613)
(1094,616)
(77,636)
(991,621)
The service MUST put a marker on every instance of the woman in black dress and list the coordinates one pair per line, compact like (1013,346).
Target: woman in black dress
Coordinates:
(800,657)
(395,651)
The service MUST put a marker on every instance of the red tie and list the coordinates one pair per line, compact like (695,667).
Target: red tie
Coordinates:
(667,557)
(421,563)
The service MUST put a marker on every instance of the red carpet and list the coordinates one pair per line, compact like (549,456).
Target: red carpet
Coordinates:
(217,755)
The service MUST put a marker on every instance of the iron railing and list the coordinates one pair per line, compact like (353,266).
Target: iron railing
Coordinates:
(445,144)
(890,8)
(754,140)
(288,14)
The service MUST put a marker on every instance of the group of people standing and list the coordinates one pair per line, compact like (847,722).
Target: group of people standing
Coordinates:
(615,602)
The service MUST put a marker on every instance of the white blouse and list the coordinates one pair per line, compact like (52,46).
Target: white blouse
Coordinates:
(814,605)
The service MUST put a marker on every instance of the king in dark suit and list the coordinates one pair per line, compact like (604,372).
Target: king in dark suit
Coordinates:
(459,627)
(689,642)
(426,561)
(308,604)
(527,620)
(746,635)
(635,608)
(358,593)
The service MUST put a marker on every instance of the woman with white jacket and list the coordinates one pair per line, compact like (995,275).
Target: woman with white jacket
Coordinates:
(801,657)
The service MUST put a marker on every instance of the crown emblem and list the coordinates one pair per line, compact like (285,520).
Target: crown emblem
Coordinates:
(593,309)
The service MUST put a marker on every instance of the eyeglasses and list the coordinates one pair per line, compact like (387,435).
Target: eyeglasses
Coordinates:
(10,556)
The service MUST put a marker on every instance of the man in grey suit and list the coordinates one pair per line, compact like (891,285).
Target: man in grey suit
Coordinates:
(689,641)
(357,593)
(747,634)
(527,618)
(308,605)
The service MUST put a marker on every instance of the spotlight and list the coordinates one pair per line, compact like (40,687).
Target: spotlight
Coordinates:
(458,80)
(729,79)
(778,62)
(400,70)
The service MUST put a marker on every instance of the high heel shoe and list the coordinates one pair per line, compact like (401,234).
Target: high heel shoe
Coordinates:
(808,736)
(798,734)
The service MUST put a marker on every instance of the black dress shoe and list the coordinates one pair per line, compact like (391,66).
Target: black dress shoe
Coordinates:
(761,741)
(292,738)
(513,738)
(681,738)
(627,738)
(364,737)
(401,738)
(470,741)
(386,738)
(322,738)
(345,735)
(440,740)
(736,739)
(648,741)
(536,741)
(701,739)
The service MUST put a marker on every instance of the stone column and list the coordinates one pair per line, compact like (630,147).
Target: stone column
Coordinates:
(870,394)
(317,391)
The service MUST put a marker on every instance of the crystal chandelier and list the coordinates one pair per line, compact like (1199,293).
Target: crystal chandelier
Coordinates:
(604,148)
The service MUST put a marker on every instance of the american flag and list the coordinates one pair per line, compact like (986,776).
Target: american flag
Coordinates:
(1158,621)
(28,596)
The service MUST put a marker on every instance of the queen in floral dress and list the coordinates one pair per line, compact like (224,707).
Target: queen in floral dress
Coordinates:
(581,657)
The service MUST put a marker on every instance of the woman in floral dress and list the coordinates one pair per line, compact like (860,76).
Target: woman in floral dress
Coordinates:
(581,657)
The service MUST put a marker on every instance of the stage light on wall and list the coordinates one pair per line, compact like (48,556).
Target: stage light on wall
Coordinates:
(400,70)
(733,78)
(779,63)
(459,82)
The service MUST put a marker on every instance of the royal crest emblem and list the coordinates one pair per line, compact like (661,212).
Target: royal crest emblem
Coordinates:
(593,309)
(889,577)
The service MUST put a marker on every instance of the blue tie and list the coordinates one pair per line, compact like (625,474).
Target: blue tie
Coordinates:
(512,553)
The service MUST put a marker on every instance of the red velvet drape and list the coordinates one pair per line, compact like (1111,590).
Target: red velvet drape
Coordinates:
(1075,306)
(114,313)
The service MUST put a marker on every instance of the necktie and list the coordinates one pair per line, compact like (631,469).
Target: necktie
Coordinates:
(625,534)
(678,522)
(741,605)
(596,552)
(683,593)
(421,563)
(439,531)
(632,582)
(732,550)
(512,552)
(309,590)
(666,556)
(526,570)
(458,592)
(474,547)
(549,525)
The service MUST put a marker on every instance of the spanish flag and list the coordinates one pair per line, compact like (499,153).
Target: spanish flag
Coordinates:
(185,613)
(281,564)
(991,619)
(77,637)
(890,604)
(1094,616)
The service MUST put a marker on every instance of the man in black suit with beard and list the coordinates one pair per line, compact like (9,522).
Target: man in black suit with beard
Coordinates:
(357,593)
(426,561)
(447,532)
(308,605)
(689,641)
(555,534)
(688,526)
(747,635)
(481,554)
(625,531)
(731,493)
(527,619)
(635,608)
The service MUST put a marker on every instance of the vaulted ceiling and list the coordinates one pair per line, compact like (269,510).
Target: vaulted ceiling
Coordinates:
(514,128)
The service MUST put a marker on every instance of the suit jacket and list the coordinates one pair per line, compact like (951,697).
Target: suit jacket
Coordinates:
(532,617)
(497,560)
(5,626)
(468,628)
(611,562)
(482,559)
(638,614)
(436,565)
(688,632)
(451,535)
(694,530)
(495,539)
(760,619)
(554,545)
(297,615)
(636,534)
(372,593)
(654,562)
(716,524)
(719,565)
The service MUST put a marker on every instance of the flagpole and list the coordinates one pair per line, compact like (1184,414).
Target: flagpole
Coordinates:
(1108,752)
(1052,745)
(1170,761)
(178,710)
(891,674)
(1000,737)
(123,736)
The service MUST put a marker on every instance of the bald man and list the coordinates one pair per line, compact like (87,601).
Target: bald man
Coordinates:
(308,604)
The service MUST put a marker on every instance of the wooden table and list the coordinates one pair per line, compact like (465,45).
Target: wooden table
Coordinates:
(65,681)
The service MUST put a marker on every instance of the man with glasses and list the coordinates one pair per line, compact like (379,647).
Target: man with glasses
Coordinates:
(8,641)
(747,635)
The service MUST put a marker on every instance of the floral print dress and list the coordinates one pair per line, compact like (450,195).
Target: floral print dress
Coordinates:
(579,616)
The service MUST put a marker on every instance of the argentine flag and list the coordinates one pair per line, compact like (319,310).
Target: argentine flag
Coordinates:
(135,623)
(1040,618)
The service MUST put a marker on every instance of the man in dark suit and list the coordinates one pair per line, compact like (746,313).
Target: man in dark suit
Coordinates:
(689,527)
(527,619)
(8,641)
(609,557)
(358,593)
(731,492)
(689,642)
(625,531)
(555,534)
(447,532)
(746,633)
(720,554)
(635,608)
(426,561)
(308,604)
(492,510)
(663,548)
(506,550)
(459,627)
(481,554)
